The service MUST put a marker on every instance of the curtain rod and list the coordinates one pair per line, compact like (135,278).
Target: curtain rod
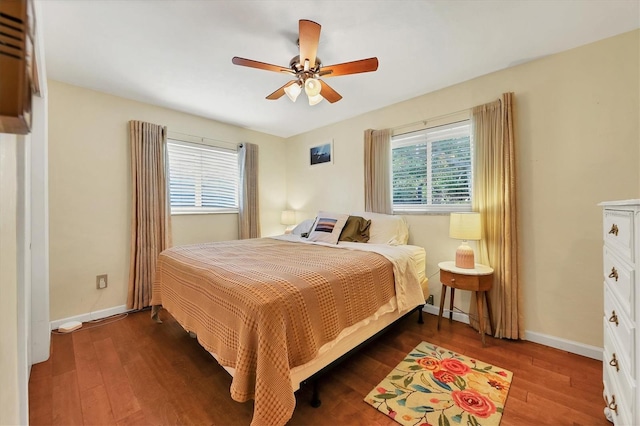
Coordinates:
(203,138)
(427,120)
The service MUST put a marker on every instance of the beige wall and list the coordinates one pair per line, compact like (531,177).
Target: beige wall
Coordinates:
(90,194)
(578,143)
(9,348)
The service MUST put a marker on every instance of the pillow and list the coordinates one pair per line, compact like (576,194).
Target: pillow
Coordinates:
(356,230)
(386,229)
(327,227)
(306,234)
(303,227)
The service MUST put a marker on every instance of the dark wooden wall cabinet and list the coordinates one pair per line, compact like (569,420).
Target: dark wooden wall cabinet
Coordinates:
(18,73)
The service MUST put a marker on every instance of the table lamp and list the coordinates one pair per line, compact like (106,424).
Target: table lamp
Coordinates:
(465,226)
(288,217)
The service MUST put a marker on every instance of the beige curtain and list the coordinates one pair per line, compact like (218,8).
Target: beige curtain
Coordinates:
(494,196)
(377,171)
(249,212)
(151,215)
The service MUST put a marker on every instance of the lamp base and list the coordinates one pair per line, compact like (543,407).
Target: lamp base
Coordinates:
(464,257)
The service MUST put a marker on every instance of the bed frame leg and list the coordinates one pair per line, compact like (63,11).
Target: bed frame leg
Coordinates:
(420,320)
(315,398)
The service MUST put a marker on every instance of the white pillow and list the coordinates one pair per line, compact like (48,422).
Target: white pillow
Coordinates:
(327,227)
(303,227)
(386,229)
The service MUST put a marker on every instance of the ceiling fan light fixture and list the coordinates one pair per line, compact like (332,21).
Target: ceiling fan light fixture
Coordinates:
(293,91)
(312,87)
(315,99)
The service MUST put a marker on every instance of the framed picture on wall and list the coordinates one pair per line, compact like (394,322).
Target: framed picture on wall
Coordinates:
(321,154)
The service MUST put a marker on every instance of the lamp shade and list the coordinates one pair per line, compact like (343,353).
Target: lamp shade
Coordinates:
(313,100)
(312,87)
(465,226)
(292,91)
(288,217)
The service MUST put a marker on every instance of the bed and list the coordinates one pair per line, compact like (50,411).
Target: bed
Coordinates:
(275,311)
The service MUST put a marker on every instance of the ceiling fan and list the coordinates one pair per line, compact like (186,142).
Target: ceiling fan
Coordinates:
(307,68)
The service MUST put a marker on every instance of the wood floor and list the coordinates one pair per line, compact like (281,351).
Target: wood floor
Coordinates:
(135,372)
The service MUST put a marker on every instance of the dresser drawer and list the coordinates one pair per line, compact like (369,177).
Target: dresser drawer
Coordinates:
(620,279)
(620,410)
(621,329)
(617,370)
(618,232)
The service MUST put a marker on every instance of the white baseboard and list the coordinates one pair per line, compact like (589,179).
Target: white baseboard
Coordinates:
(564,344)
(458,316)
(104,313)
(532,336)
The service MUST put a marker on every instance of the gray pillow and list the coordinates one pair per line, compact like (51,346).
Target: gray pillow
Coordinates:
(303,227)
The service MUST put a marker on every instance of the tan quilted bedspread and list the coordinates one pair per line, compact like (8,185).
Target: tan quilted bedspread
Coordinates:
(264,306)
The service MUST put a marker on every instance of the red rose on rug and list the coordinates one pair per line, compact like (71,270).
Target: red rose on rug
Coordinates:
(445,376)
(429,363)
(473,402)
(454,366)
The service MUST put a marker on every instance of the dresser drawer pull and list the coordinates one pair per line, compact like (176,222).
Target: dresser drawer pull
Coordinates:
(613,318)
(614,273)
(614,362)
(612,405)
(614,230)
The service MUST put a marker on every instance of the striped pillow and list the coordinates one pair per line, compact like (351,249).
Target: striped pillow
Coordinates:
(327,227)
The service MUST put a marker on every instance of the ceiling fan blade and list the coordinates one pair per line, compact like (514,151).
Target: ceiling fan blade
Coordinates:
(308,39)
(260,65)
(328,93)
(354,67)
(278,93)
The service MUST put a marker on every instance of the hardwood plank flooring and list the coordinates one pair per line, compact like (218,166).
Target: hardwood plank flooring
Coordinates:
(137,372)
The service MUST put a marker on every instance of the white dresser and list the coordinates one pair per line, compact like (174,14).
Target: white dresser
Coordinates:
(621,259)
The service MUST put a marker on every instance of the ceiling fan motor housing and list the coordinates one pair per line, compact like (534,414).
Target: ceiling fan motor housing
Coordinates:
(300,72)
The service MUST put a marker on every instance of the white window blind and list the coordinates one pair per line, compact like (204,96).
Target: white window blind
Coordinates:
(202,178)
(432,169)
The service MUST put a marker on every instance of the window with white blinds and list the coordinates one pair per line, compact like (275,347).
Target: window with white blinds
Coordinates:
(432,169)
(202,178)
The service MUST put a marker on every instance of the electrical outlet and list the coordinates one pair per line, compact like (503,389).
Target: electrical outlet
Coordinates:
(101,281)
(430,299)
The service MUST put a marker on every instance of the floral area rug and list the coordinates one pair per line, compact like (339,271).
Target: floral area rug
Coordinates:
(435,386)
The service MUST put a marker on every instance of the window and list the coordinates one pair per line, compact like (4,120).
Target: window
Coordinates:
(202,178)
(432,169)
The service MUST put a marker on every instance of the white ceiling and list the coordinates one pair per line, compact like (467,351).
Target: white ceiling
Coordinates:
(177,53)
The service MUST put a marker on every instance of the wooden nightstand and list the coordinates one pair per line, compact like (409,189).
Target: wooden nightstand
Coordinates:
(478,279)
